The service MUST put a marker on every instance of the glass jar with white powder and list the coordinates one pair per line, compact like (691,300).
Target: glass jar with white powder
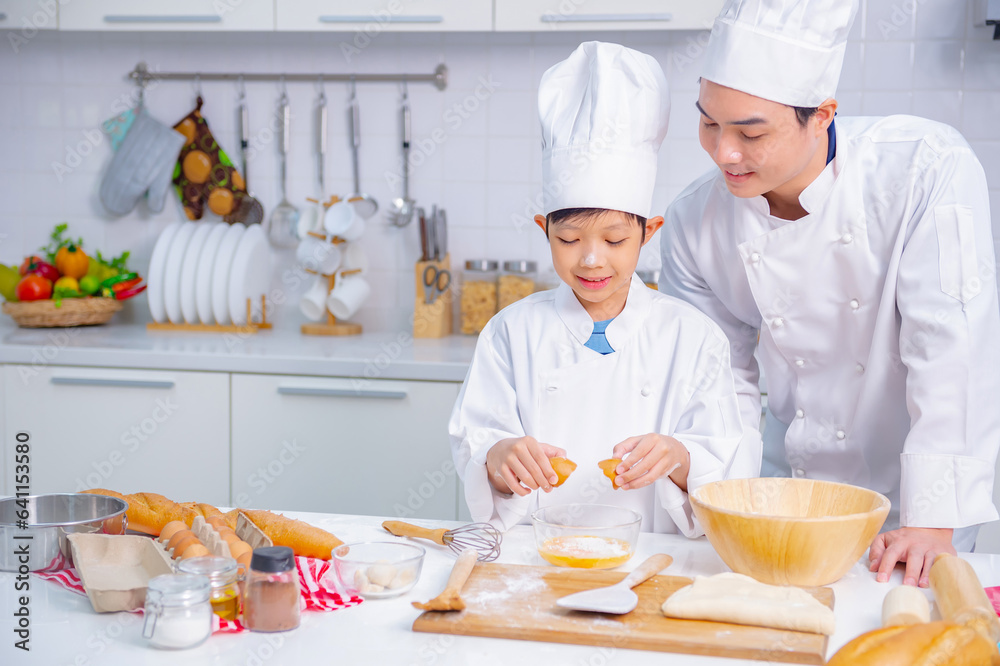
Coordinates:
(178,611)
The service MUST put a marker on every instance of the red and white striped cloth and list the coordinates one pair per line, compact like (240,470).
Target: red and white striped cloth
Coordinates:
(318,587)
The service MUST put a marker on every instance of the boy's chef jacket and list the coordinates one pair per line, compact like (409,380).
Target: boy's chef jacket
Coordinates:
(532,375)
(877,315)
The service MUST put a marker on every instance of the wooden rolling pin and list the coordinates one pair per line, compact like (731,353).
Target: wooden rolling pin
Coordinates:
(905,605)
(961,597)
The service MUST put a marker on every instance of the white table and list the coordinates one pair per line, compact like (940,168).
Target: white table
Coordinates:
(66,631)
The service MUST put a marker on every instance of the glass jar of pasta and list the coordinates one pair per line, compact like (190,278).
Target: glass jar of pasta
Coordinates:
(517,280)
(479,294)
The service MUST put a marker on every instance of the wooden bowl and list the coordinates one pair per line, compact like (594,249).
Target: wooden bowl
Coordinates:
(789,531)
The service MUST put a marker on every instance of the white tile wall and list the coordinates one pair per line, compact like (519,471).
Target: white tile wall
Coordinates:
(921,57)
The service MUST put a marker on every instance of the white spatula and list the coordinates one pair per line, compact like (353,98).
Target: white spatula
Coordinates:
(618,598)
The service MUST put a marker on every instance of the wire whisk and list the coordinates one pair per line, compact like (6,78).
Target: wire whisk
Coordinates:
(482,537)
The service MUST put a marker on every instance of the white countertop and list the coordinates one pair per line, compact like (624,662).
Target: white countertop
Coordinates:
(394,355)
(65,630)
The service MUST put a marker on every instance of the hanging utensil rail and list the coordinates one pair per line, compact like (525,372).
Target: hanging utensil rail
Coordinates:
(142,76)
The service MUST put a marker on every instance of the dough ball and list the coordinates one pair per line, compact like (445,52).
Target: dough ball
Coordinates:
(196,166)
(403,577)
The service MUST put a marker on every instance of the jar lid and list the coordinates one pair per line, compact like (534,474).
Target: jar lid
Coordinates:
(520,266)
(481,265)
(216,568)
(273,559)
(178,589)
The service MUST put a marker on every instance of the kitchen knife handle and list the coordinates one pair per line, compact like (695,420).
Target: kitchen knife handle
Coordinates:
(652,566)
(905,605)
(961,597)
(399,528)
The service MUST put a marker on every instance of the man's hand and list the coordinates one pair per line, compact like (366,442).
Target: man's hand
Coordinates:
(917,546)
(651,457)
(521,460)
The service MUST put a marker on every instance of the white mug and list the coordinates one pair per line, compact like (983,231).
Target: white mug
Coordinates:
(319,255)
(342,221)
(313,302)
(353,258)
(349,292)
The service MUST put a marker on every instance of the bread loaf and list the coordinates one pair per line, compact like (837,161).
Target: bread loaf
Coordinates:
(149,512)
(302,538)
(931,644)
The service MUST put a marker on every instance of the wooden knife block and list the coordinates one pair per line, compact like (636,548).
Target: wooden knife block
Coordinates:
(433,320)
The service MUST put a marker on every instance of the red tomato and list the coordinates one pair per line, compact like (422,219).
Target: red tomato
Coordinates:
(34,288)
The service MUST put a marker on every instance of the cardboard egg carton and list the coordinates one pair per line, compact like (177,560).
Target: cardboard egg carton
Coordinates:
(115,569)
(212,540)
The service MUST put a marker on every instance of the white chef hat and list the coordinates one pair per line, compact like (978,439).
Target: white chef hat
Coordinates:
(787,51)
(604,113)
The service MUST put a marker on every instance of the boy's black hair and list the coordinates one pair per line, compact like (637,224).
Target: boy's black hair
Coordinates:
(585,214)
(804,113)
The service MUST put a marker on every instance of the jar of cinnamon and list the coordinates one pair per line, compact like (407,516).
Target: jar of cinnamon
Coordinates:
(271,600)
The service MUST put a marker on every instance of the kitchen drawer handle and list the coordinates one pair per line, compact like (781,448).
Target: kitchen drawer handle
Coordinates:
(341,393)
(597,18)
(139,18)
(118,383)
(327,18)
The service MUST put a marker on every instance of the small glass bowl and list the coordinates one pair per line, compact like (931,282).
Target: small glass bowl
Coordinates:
(586,536)
(378,569)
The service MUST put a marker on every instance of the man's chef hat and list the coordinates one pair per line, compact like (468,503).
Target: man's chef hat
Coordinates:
(604,113)
(787,51)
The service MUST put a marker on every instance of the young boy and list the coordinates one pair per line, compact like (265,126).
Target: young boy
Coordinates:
(602,366)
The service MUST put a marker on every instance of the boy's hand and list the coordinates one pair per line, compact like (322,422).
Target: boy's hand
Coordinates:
(917,546)
(521,460)
(651,457)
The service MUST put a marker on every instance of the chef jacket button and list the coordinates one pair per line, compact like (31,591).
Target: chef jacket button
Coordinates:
(778,322)
(847,238)
(799,414)
(799,362)
(645,391)
(855,304)
(799,473)
(755,257)
(552,387)
(840,434)
(860,369)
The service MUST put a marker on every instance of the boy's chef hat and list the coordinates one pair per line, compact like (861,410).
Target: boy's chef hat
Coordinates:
(787,51)
(604,113)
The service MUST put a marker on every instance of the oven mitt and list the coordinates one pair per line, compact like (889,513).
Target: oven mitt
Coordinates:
(143,162)
(204,175)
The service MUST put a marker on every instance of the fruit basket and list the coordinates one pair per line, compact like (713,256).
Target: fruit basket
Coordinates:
(67,312)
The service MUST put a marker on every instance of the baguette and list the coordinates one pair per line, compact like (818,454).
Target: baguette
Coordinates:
(149,512)
(302,538)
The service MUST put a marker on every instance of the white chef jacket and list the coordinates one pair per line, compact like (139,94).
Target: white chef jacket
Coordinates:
(532,375)
(877,315)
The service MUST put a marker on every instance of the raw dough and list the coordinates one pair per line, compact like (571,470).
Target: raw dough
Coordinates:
(381,573)
(739,599)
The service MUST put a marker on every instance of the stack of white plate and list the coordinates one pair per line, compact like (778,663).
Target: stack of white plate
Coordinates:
(204,272)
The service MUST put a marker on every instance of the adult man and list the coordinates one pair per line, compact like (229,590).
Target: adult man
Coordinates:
(856,258)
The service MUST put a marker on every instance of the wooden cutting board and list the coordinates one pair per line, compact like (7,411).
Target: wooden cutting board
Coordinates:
(516,601)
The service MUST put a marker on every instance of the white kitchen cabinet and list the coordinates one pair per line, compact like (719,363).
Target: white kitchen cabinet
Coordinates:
(371,17)
(24,17)
(373,447)
(160,15)
(128,430)
(568,15)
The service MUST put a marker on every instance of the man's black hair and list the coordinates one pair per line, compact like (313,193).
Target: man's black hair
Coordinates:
(804,113)
(586,214)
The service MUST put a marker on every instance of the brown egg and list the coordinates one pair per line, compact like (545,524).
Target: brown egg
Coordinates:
(230,538)
(224,530)
(196,167)
(238,548)
(220,201)
(187,128)
(184,544)
(217,521)
(195,550)
(171,528)
(177,536)
(244,560)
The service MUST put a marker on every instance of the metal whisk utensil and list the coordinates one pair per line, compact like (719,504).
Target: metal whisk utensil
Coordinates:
(483,537)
